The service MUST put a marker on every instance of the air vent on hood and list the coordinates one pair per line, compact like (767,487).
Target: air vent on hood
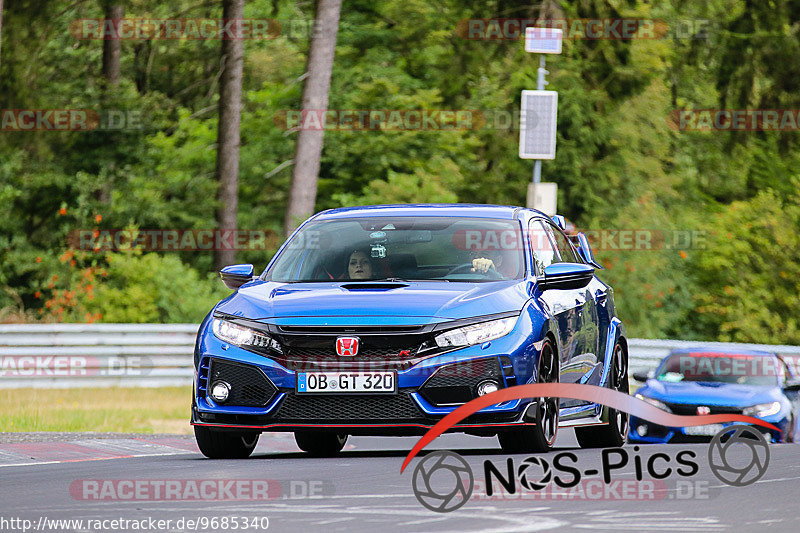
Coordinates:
(380,286)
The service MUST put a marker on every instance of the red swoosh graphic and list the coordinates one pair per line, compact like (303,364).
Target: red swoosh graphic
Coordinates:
(590,393)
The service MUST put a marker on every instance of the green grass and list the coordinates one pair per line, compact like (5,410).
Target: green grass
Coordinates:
(116,409)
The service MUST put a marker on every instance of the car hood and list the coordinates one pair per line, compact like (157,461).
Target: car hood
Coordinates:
(705,393)
(401,303)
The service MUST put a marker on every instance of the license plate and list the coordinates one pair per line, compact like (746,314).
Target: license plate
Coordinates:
(345,382)
(703,431)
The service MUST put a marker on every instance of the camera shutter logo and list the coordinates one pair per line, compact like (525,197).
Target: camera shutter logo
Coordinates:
(738,455)
(443,481)
(527,477)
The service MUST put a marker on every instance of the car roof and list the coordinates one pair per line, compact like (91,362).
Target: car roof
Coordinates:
(437,210)
(699,351)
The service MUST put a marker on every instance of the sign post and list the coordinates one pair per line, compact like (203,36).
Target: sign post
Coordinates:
(537,133)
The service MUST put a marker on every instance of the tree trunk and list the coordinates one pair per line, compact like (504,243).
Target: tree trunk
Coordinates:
(303,193)
(230,107)
(112,47)
(1,28)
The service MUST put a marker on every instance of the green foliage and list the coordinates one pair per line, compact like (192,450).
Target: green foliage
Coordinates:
(751,272)
(152,288)
(619,165)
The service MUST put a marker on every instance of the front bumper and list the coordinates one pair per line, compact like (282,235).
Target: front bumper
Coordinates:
(263,397)
(643,432)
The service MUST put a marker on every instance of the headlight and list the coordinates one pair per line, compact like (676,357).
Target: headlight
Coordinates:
(653,401)
(476,333)
(242,336)
(763,409)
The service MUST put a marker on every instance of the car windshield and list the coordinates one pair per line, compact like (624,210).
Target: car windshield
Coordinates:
(723,368)
(407,248)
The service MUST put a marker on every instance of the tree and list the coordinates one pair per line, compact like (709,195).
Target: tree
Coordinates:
(112,48)
(230,107)
(303,192)
(1,28)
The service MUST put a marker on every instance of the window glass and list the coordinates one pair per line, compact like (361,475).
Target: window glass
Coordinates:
(420,248)
(564,248)
(544,253)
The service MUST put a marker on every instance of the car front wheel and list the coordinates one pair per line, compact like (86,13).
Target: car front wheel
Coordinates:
(218,444)
(542,436)
(614,432)
(319,443)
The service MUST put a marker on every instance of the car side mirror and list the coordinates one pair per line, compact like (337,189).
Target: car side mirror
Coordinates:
(560,221)
(792,386)
(565,276)
(234,276)
(586,250)
(640,376)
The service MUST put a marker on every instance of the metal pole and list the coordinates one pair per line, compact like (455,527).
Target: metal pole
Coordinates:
(540,83)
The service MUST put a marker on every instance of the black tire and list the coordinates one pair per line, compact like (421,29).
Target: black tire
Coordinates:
(218,444)
(614,432)
(542,436)
(320,443)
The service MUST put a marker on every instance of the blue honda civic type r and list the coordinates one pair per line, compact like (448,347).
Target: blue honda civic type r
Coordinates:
(705,381)
(380,320)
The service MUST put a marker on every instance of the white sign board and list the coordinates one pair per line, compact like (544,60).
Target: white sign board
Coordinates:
(542,196)
(537,128)
(543,40)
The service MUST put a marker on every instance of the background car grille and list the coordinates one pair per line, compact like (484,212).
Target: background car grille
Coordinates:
(249,386)
(347,408)
(691,409)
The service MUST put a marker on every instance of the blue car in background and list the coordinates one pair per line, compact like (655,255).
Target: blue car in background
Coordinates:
(380,320)
(711,381)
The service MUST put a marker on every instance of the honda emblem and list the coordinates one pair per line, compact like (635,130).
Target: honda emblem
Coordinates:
(347,346)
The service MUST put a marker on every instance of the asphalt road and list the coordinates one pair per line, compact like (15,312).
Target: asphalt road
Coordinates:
(363,490)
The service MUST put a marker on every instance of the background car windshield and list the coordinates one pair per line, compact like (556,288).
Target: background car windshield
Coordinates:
(723,368)
(413,248)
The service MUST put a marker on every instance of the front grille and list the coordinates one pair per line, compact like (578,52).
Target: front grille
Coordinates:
(347,408)
(329,352)
(350,330)
(456,382)
(691,409)
(249,386)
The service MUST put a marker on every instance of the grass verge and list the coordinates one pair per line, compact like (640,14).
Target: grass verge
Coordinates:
(115,409)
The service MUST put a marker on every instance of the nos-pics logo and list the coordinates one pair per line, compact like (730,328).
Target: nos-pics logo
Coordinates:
(443,481)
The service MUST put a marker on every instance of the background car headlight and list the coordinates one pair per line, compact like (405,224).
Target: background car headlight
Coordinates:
(653,401)
(242,336)
(763,409)
(476,333)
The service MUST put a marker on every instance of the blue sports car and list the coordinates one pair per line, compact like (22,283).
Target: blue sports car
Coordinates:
(712,381)
(380,320)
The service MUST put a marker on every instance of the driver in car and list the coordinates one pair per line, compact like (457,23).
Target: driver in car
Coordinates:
(359,266)
(486,259)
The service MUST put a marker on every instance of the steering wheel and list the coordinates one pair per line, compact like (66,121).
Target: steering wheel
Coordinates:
(467,268)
